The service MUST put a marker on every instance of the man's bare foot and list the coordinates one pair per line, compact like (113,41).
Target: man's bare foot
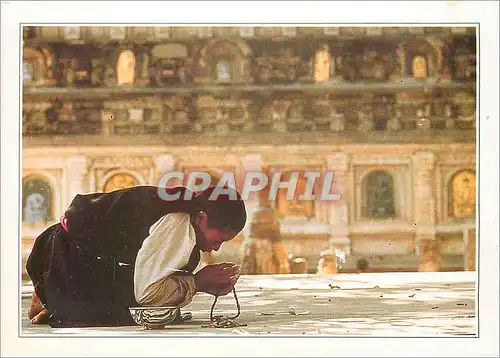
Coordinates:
(41,318)
(36,312)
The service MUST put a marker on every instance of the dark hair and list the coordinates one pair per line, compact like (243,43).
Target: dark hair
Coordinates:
(226,210)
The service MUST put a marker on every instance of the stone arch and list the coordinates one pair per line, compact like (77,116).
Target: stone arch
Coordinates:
(462,194)
(227,60)
(378,195)
(120,179)
(428,49)
(38,199)
(34,62)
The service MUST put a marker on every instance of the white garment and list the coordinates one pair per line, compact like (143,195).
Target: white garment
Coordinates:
(166,250)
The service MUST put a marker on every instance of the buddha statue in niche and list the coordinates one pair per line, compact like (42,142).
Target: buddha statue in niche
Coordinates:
(322,64)
(125,68)
(419,67)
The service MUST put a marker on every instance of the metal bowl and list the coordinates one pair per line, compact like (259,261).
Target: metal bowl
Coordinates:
(154,317)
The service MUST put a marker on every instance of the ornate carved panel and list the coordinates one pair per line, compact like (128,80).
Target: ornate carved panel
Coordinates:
(382,191)
(462,195)
(171,64)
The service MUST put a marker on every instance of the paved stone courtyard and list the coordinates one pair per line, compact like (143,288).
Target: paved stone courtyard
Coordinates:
(388,304)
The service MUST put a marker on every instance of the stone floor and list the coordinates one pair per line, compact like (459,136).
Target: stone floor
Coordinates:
(388,304)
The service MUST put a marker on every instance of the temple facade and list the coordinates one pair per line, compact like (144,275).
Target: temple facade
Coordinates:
(390,110)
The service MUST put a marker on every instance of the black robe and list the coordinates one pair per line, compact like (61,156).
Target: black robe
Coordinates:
(85,277)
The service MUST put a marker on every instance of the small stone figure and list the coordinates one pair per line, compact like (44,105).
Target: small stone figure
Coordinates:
(394,123)
(295,119)
(423,122)
(69,73)
(222,119)
(365,119)
(337,123)
(109,77)
(240,118)
(279,117)
(448,114)
(97,73)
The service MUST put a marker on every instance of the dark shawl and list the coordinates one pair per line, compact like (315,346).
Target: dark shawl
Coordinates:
(85,277)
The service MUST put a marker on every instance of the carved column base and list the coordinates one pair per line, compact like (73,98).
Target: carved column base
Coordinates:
(430,253)
(263,251)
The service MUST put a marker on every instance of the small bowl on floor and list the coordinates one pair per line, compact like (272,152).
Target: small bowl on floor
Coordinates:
(154,317)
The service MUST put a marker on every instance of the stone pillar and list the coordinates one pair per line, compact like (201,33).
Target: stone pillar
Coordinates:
(165,163)
(470,250)
(425,216)
(263,250)
(338,163)
(76,170)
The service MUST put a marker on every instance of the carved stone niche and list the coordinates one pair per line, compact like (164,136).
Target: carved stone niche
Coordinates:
(375,65)
(413,106)
(170,64)
(75,65)
(78,118)
(322,108)
(322,64)
(207,107)
(181,115)
(38,66)
(279,115)
(224,61)
(285,68)
(423,59)
(464,59)
(35,118)
(240,119)
(125,68)
(296,121)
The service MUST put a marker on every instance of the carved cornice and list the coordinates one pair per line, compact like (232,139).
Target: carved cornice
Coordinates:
(129,162)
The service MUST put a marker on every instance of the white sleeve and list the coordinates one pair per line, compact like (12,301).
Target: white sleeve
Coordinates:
(167,249)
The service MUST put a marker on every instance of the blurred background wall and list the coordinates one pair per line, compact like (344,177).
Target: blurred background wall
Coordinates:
(391,110)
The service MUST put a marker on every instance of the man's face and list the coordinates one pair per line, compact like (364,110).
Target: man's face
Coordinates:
(212,237)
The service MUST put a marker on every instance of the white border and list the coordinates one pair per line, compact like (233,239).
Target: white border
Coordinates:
(13,13)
